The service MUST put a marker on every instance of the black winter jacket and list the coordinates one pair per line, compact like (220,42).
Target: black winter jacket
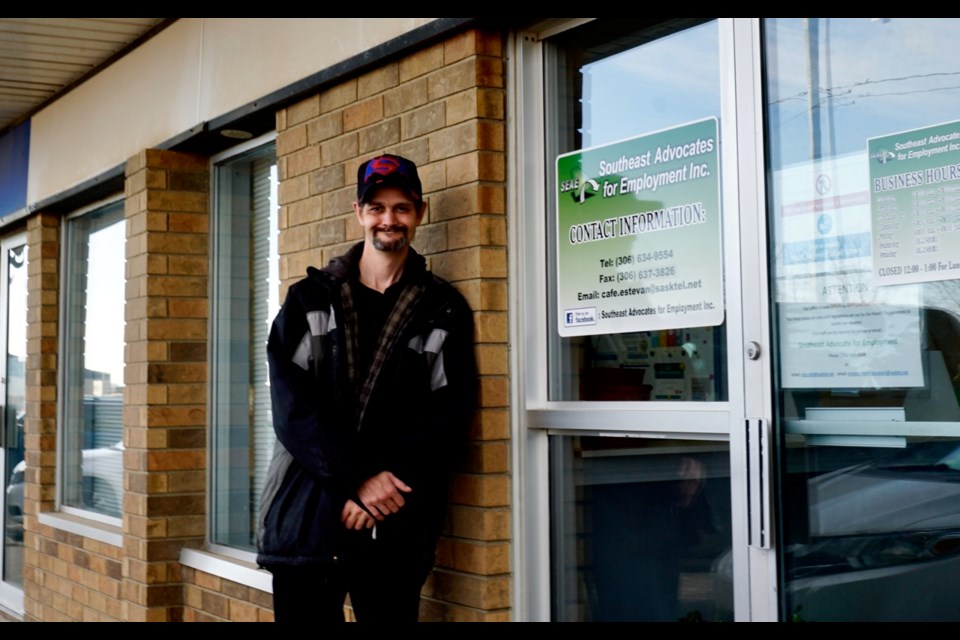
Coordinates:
(335,430)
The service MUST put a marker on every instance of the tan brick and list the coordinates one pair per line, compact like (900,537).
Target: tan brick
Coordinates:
(327,179)
(488,457)
(378,80)
(339,202)
(177,328)
(490,135)
(463,232)
(292,139)
(186,480)
(293,189)
(431,239)
(303,160)
(303,111)
(241,611)
(188,308)
(460,46)
(480,490)
(292,240)
(423,120)
(489,72)
(135,182)
(187,265)
(462,264)
(493,296)
(494,391)
(405,97)
(493,262)
(480,592)
(330,232)
(483,558)
(185,181)
(417,150)
(304,211)
(194,201)
(163,159)
(338,96)
(339,149)
(463,168)
(421,62)
(491,326)
(437,611)
(490,424)
(379,136)
(177,285)
(452,141)
(455,202)
(461,106)
(325,127)
(177,243)
(452,79)
(492,359)
(362,113)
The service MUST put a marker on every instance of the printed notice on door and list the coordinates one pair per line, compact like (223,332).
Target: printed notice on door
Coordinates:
(638,239)
(915,205)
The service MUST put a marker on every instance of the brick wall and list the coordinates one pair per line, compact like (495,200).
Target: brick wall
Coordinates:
(165,413)
(442,107)
(68,576)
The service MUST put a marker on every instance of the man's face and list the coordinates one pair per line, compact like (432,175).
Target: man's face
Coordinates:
(389,219)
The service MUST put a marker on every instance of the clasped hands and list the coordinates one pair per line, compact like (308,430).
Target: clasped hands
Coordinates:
(382,494)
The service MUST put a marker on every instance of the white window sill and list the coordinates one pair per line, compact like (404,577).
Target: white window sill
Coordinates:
(99,531)
(233,569)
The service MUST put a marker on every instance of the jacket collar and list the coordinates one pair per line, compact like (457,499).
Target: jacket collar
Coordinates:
(346,266)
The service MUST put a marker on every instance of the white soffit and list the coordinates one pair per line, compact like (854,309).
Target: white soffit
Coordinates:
(41,57)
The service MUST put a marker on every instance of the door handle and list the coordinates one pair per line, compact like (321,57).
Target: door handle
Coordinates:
(759,474)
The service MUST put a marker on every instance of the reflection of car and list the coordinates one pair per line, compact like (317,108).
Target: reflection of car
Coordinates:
(14,502)
(102,470)
(880,534)
(883,540)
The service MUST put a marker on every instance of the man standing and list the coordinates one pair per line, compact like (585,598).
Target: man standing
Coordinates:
(372,376)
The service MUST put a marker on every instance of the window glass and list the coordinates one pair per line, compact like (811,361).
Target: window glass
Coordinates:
(641,530)
(610,80)
(863,180)
(14,409)
(246,289)
(92,357)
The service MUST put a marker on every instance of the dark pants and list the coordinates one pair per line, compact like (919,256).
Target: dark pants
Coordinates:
(383,582)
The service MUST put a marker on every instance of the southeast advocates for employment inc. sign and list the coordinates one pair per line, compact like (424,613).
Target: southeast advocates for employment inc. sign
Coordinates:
(639,245)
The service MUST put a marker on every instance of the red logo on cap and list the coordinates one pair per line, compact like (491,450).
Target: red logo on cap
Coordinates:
(383,166)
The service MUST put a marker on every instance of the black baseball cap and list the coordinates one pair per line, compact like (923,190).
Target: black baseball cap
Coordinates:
(388,171)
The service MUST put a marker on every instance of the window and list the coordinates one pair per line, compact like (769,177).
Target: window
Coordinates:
(865,261)
(92,361)
(245,300)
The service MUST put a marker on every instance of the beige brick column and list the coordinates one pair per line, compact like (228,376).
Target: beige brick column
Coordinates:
(40,426)
(166,377)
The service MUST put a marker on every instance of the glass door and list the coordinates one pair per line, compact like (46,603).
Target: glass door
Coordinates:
(13,330)
(863,177)
(636,416)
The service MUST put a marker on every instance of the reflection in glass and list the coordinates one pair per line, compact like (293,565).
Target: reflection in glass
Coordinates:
(93,361)
(869,373)
(14,410)
(617,79)
(246,281)
(641,530)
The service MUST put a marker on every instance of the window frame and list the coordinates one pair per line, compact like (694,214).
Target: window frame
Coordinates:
(64,362)
(217,223)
